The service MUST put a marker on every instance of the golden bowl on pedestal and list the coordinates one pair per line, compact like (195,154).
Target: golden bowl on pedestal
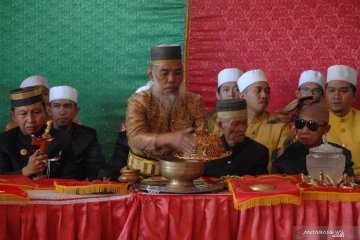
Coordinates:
(181,173)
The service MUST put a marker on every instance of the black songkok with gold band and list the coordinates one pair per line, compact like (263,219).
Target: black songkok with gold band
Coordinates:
(165,53)
(25,96)
(230,108)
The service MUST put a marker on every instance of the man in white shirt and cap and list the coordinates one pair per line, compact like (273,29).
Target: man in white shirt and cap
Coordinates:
(35,80)
(344,120)
(227,89)
(311,83)
(254,88)
(86,149)
(42,82)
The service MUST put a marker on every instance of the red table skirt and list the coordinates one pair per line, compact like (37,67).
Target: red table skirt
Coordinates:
(115,218)
(158,216)
(214,217)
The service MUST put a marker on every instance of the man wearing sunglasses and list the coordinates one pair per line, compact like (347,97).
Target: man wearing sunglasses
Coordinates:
(340,94)
(311,125)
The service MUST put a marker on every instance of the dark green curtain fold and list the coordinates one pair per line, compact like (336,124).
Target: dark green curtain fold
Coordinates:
(100,47)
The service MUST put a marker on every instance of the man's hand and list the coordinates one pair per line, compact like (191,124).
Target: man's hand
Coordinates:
(36,164)
(182,140)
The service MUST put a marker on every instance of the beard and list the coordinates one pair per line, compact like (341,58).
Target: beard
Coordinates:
(170,102)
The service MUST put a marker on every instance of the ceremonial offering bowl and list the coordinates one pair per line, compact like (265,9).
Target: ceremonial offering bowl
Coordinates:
(129,175)
(181,173)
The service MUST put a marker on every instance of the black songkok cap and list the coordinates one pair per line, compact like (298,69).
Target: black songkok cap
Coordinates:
(166,52)
(229,108)
(25,96)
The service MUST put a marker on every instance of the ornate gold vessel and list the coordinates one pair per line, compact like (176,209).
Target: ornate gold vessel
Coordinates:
(181,173)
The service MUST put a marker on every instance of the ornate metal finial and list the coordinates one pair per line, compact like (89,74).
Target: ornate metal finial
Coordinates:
(44,140)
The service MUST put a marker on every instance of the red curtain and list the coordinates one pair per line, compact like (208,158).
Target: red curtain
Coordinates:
(281,37)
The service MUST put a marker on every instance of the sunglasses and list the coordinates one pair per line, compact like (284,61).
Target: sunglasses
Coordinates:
(311,125)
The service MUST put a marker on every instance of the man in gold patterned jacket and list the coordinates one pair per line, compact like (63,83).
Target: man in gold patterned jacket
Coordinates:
(162,119)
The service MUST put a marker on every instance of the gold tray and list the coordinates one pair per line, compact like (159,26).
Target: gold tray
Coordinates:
(199,158)
(161,187)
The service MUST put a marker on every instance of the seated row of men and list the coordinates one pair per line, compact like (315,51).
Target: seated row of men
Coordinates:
(162,118)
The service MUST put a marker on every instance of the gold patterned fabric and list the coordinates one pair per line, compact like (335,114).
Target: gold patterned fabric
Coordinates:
(146,118)
(345,131)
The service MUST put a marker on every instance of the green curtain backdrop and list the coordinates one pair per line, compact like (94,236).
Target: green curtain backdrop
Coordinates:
(100,47)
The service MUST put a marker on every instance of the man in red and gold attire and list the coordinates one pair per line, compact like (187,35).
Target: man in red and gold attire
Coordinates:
(162,119)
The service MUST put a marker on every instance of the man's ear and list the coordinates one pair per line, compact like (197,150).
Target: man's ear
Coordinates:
(12,115)
(47,109)
(242,95)
(77,110)
(297,94)
(217,95)
(150,74)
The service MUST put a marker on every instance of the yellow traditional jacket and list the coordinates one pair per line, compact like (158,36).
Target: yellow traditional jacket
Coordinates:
(211,119)
(270,135)
(146,118)
(345,131)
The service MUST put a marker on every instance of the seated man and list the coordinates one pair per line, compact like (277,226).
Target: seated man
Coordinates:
(344,119)
(227,89)
(32,81)
(88,157)
(161,120)
(311,83)
(248,157)
(312,124)
(254,88)
(18,155)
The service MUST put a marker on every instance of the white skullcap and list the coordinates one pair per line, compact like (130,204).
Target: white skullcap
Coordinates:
(63,92)
(145,87)
(251,77)
(35,80)
(312,76)
(229,75)
(342,72)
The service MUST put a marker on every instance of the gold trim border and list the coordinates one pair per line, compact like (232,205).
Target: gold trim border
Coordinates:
(164,61)
(23,95)
(231,114)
